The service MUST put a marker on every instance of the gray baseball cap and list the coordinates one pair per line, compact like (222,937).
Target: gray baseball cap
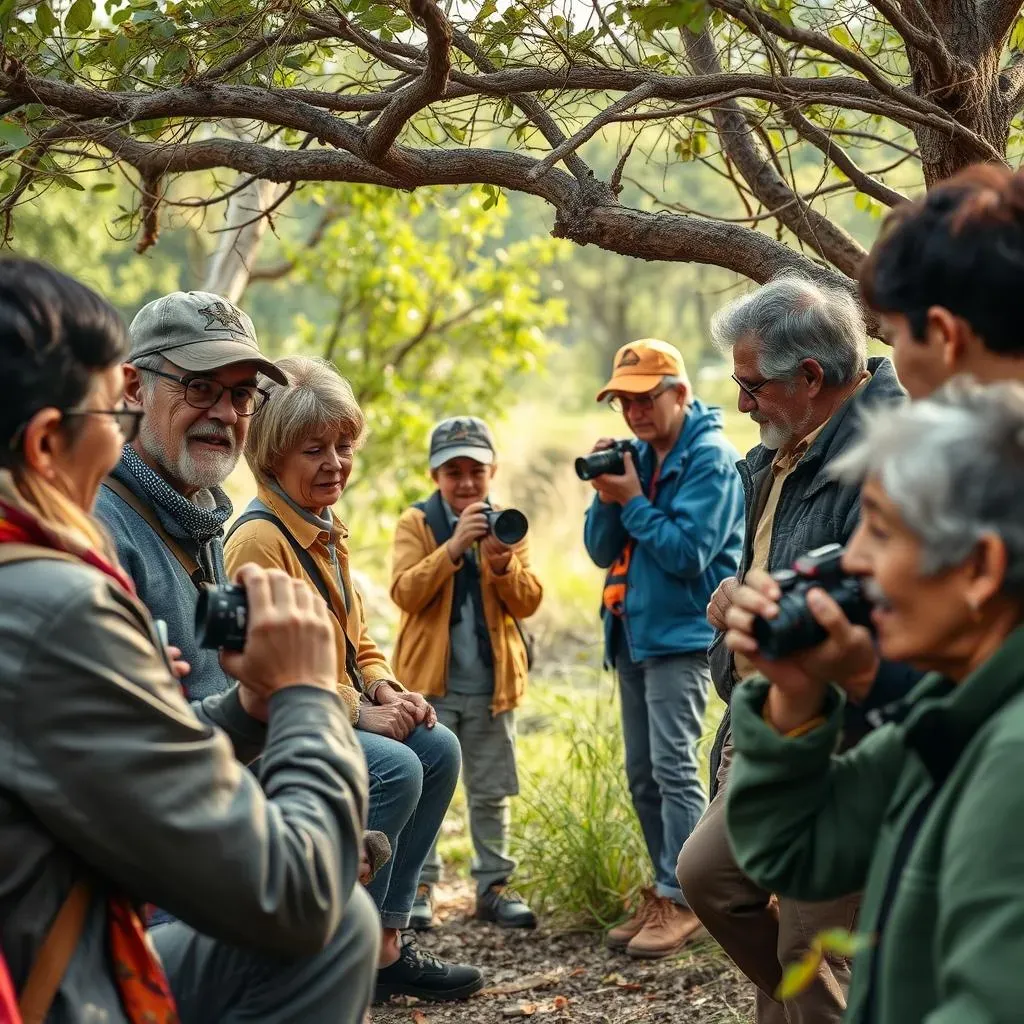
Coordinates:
(461,437)
(198,331)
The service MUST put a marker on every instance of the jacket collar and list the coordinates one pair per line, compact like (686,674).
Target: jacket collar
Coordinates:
(305,532)
(942,718)
(842,428)
(699,418)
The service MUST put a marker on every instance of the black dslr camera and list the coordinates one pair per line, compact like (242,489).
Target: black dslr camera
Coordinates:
(609,460)
(509,525)
(794,628)
(222,617)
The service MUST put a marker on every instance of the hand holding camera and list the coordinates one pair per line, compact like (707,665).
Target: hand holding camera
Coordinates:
(471,527)
(801,638)
(611,470)
(282,637)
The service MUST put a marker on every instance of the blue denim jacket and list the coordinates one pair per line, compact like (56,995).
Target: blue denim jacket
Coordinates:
(687,540)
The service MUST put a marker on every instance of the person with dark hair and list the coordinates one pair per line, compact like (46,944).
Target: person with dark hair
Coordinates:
(114,792)
(945,278)
(925,815)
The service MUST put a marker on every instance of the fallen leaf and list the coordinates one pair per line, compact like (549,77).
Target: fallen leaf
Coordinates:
(419,1017)
(522,1010)
(560,1002)
(579,972)
(531,981)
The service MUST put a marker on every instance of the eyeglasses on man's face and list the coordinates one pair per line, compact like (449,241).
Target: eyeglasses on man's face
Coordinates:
(128,420)
(204,393)
(642,403)
(751,390)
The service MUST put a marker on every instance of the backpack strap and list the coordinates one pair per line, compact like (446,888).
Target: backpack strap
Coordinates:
(312,570)
(132,500)
(54,955)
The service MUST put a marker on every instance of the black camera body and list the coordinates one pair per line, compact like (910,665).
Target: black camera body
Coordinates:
(794,628)
(607,461)
(222,617)
(509,525)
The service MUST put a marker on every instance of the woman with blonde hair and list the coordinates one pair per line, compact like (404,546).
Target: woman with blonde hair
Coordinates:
(301,449)
(113,793)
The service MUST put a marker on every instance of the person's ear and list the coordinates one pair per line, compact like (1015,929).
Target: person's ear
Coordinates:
(132,387)
(945,334)
(814,375)
(43,441)
(493,469)
(986,571)
(433,475)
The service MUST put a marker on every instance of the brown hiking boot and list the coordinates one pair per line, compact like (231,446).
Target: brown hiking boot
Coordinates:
(667,928)
(622,934)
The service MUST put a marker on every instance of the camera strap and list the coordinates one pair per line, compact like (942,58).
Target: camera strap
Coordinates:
(613,597)
(312,570)
(147,513)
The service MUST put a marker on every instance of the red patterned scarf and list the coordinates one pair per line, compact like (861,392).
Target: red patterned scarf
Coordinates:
(145,993)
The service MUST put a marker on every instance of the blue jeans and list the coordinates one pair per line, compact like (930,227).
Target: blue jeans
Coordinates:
(411,786)
(663,702)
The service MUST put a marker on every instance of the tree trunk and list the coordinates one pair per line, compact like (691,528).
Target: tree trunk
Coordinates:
(973,94)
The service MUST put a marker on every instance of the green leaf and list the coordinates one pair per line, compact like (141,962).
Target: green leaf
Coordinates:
(400,25)
(797,977)
(79,18)
(842,943)
(105,186)
(120,17)
(1017,35)
(45,21)
(13,135)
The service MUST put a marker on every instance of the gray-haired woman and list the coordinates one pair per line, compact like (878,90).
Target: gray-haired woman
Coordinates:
(301,448)
(926,815)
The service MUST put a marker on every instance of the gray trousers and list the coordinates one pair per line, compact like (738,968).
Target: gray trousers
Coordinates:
(214,983)
(490,777)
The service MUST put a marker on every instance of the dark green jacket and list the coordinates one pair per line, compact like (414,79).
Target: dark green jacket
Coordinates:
(926,815)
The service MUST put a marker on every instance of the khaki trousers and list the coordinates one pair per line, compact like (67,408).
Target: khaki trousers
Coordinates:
(760,932)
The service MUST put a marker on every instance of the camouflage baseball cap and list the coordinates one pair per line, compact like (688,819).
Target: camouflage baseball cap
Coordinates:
(461,437)
(199,332)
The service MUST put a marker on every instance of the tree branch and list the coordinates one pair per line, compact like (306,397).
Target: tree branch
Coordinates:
(285,267)
(819,138)
(1011,85)
(428,87)
(929,43)
(771,189)
(998,17)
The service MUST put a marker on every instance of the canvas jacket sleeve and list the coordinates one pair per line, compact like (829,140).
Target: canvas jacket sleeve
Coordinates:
(802,822)
(689,535)
(114,764)
(419,569)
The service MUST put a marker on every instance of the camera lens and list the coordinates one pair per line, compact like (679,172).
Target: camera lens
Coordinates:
(222,615)
(509,525)
(596,464)
(795,628)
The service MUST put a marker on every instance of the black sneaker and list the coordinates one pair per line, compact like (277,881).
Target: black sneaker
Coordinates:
(421,919)
(505,907)
(420,974)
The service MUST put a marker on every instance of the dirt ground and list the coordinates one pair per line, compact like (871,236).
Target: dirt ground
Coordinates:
(570,977)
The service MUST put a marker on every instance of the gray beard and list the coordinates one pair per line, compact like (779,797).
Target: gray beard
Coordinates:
(774,437)
(192,473)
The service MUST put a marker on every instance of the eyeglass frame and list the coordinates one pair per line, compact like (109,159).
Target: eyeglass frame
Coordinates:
(134,416)
(184,382)
(622,404)
(751,390)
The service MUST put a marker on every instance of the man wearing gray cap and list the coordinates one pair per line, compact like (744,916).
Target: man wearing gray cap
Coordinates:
(192,369)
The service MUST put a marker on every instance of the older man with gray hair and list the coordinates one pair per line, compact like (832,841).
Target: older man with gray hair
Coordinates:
(799,353)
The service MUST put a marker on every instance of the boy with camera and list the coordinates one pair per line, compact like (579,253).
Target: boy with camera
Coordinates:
(463,581)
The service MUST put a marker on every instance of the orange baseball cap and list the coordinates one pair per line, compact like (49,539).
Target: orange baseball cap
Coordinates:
(640,365)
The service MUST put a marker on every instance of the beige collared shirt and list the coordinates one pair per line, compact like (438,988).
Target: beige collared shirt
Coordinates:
(782,467)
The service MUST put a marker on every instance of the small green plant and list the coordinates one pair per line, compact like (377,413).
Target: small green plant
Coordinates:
(581,853)
(837,941)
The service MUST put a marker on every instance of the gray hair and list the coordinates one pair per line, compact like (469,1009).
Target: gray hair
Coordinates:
(154,361)
(954,466)
(316,398)
(795,319)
